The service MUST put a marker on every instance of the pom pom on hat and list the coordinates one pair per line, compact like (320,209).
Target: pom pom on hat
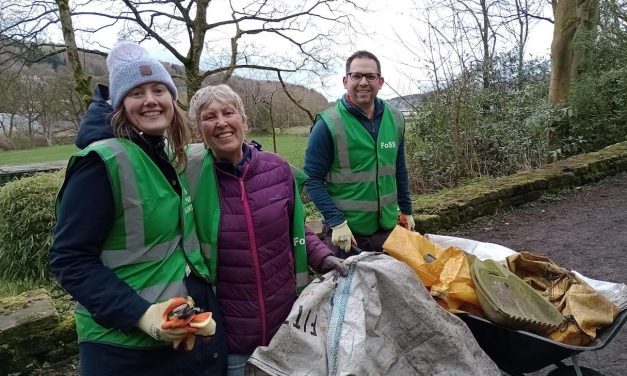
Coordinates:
(129,66)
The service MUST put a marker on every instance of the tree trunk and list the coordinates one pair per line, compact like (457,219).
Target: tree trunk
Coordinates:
(193,77)
(485,40)
(569,16)
(82,81)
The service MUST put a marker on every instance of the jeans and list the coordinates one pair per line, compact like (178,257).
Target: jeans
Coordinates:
(237,364)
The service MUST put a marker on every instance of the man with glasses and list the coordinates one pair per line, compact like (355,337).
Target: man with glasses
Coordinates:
(355,161)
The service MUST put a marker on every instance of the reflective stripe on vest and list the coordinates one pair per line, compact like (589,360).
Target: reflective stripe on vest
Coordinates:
(366,191)
(207,208)
(356,205)
(153,293)
(152,244)
(195,159)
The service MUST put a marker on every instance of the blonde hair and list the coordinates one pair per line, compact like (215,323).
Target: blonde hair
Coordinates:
(178,133)
(222,94)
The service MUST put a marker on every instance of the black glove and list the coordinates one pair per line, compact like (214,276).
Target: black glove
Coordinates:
(333,263)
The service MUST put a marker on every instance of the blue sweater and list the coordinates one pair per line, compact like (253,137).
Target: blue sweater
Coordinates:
(319,157)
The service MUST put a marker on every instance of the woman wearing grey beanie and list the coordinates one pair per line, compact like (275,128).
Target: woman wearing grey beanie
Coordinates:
(125,243)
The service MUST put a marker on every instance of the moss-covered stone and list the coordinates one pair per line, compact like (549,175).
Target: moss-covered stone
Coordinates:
(66,329)
(450,207)
(427,222)
(33,334)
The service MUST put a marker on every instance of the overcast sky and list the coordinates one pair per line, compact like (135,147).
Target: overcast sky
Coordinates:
(386,23)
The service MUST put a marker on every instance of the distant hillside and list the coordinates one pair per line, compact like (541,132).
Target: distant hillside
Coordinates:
(265,102)
(405,103)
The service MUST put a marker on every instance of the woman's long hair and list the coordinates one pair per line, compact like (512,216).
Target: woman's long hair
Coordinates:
(178,134)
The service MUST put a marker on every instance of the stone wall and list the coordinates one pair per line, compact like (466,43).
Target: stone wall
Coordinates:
(450,207)
(447,208)
(8,173)
(35,333)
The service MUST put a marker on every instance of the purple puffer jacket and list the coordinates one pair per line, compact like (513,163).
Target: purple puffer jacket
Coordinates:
(256,285)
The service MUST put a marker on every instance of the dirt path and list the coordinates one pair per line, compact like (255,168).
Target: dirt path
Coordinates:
(585,230)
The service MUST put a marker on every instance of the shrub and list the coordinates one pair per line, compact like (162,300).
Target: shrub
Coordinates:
(27,218)
(465,131)
(597,103)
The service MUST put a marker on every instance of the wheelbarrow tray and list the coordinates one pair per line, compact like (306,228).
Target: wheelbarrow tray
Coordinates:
(518,351)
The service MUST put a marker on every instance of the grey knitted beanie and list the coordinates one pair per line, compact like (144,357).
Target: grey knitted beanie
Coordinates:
(130,65)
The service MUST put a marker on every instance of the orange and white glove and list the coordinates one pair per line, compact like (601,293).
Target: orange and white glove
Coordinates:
(150,323)
(342,237)
(204,324)
(182,314)
(407,221)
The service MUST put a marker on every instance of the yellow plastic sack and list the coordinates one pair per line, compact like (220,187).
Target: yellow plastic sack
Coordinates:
(446,276)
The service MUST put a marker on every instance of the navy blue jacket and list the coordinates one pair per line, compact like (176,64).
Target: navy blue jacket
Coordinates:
(85,216)
(319,157)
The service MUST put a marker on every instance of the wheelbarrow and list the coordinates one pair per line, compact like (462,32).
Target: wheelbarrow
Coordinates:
(517,352)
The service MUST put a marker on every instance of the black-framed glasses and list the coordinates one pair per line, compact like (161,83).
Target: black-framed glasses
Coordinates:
(356,76)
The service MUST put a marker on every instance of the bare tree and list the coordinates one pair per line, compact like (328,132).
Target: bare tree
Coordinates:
(519,18)
(9,110)
(30,105)
(26,37)
(467,36)
(81,79)
(473,24)
(187,28)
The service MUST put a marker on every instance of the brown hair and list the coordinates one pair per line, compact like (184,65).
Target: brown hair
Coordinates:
(178,133)
(362,55)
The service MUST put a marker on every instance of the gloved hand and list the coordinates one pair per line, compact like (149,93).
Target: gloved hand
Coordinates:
(407,221)
(342,236)
(182,314)
(150,323)
(204,323)
(333,263)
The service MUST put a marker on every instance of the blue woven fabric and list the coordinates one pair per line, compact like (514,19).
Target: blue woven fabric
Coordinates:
(340,298)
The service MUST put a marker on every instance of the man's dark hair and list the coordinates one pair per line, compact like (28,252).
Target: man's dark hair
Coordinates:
(362,55)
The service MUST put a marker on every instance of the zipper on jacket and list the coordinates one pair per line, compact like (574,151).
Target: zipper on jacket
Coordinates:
(253,248)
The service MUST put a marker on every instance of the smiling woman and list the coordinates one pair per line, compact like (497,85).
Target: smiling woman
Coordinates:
(125,244)
(251,224)
(150,108)
(222,125)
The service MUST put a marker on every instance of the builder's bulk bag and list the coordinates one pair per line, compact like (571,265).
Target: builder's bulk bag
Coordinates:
(379,320)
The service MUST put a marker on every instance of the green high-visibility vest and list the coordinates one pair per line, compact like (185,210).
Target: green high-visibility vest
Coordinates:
(152,245)
(203,185)
(362,177)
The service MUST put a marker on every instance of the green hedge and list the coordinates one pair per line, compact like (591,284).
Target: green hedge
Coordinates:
(27,221)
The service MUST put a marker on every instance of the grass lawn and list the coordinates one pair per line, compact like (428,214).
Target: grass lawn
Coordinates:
(290,147)
(37,155)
